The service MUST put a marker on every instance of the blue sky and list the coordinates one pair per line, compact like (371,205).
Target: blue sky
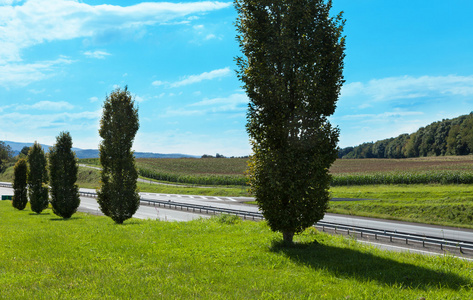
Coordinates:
(408,63)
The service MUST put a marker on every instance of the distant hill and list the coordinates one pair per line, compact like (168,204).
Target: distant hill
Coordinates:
(446,137)
(94,153)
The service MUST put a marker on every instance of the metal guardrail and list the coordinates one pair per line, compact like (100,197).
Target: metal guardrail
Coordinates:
(404,236)
(88,194)
(204,208)
(363,231)
(192,207)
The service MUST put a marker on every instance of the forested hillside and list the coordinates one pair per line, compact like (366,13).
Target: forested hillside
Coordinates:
(446,137)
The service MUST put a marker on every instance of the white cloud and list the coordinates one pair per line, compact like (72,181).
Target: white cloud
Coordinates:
(97,54)
(201,77)
(408,87)
(232,101)
(210,37)
(235,104)
(158,83)
(8,2)
(191,79)
(47,105)
(38,21)
(19,122)
(138,99)
(24,74)
(34,91)
(380,116)
(93,99)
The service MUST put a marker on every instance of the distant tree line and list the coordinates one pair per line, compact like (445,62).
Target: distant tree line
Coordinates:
(218,155)
(6,155)
(446,137)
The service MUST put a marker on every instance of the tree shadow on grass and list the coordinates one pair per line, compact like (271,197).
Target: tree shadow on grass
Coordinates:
(128,223)
(350,263)
(41,214)
(62,219)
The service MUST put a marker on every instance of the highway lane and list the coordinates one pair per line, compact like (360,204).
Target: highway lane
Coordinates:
(406,227)
(145,212)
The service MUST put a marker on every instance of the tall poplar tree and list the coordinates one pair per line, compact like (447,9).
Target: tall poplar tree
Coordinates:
(20,191)
(118,195)
(291,68)
(37,179)
(63,176)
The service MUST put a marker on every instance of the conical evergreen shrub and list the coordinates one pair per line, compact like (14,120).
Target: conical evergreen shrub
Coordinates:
(118,195)
(20,191)
(37,179)
(63,176)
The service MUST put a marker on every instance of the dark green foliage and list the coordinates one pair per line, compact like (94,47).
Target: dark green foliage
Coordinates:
(446,137)
(292,73)
(20,191)
(6,154)
(24,151)
(63,175)
(118,195)
(37,179)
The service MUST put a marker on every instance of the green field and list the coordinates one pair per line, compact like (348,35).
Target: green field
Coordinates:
(90,257)
(346,172)
(194,171)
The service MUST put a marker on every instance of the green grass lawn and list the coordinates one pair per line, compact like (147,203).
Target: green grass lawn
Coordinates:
(89,257)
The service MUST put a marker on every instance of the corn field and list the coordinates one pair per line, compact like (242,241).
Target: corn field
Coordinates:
(230,171)
(194,179)
(440,177)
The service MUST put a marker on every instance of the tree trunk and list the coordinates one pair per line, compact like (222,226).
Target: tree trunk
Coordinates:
(287,236)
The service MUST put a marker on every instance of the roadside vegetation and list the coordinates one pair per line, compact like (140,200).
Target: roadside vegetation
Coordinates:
(221,258)
(442,204)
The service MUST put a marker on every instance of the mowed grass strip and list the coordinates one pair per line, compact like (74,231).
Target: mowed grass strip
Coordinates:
(450,205)
(90,257)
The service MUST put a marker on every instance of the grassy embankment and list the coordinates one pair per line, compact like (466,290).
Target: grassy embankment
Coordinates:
(445,204)
(44,257)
